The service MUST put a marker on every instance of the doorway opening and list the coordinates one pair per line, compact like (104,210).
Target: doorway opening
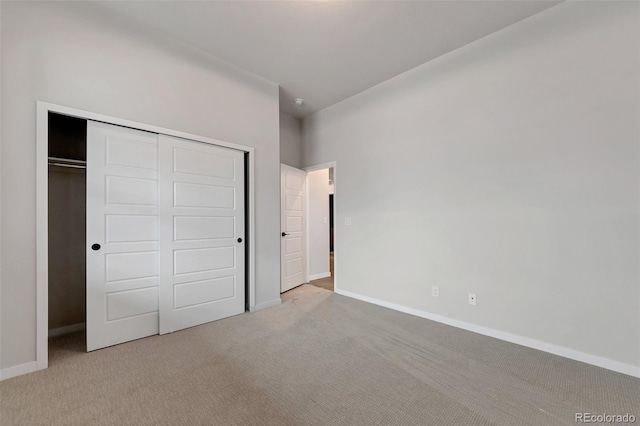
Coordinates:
(320,226)
(67,155)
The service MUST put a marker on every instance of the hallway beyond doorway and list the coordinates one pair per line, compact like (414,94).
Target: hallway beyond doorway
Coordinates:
(326,283)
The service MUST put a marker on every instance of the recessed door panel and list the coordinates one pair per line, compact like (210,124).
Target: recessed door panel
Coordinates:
(129,190)
(208,291)
(132,152)
(293,224)
(204,164)
(203,228)
(131,303)
(294,267)
(293,245)
(294,180)
(293,203)
(202,260)
(207,196)
(129,266)
(131,228)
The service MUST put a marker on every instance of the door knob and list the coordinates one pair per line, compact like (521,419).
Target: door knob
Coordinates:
(95,247)
(239,240)
(284,234)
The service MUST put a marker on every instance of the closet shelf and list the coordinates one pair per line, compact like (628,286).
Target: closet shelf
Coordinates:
(67,162)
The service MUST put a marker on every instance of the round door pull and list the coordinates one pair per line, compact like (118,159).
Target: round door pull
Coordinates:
(284,234)
(95,247)
(239,240)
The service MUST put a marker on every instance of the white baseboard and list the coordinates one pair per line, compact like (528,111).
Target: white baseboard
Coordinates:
(609,364)
(67,330)
(18,370)
(265,305)
(319,276)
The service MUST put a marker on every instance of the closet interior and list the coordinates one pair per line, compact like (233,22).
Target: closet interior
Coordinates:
(67,225)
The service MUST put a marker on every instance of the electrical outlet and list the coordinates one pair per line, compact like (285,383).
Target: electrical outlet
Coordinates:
(435,291)
(472,299)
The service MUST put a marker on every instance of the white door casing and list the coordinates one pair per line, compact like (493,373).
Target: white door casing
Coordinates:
(122,218)
(202,233)
(293,244)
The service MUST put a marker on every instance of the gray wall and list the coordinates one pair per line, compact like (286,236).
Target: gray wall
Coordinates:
(507,168)
(69,54)
(290,141)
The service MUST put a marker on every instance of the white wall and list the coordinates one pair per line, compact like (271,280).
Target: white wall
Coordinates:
(69,54)
(318,223)
(290,141)
(508,168)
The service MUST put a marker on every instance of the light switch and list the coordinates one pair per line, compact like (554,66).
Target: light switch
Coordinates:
(347,221)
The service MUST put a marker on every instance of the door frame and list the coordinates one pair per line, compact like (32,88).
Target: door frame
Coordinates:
(42,211)
(334,166)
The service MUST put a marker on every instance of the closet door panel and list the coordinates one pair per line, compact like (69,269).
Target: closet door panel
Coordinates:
(122,218)
(202,247)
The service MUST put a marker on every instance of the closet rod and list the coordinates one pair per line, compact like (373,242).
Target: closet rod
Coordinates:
(67,162)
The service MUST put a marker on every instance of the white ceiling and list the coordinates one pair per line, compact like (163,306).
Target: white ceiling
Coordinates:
(328,51)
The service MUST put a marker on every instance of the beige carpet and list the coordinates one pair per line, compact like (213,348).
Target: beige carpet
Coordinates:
(317,359)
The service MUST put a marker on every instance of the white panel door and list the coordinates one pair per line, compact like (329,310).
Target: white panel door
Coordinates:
(122,235)
(292,247)
(202,241)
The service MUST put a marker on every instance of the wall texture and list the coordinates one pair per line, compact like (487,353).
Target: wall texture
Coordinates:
(507,168)
(76,55)
(290,141)
(318,223)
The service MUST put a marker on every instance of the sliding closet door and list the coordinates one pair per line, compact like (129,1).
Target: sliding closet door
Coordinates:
(202,246)
(122,235)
